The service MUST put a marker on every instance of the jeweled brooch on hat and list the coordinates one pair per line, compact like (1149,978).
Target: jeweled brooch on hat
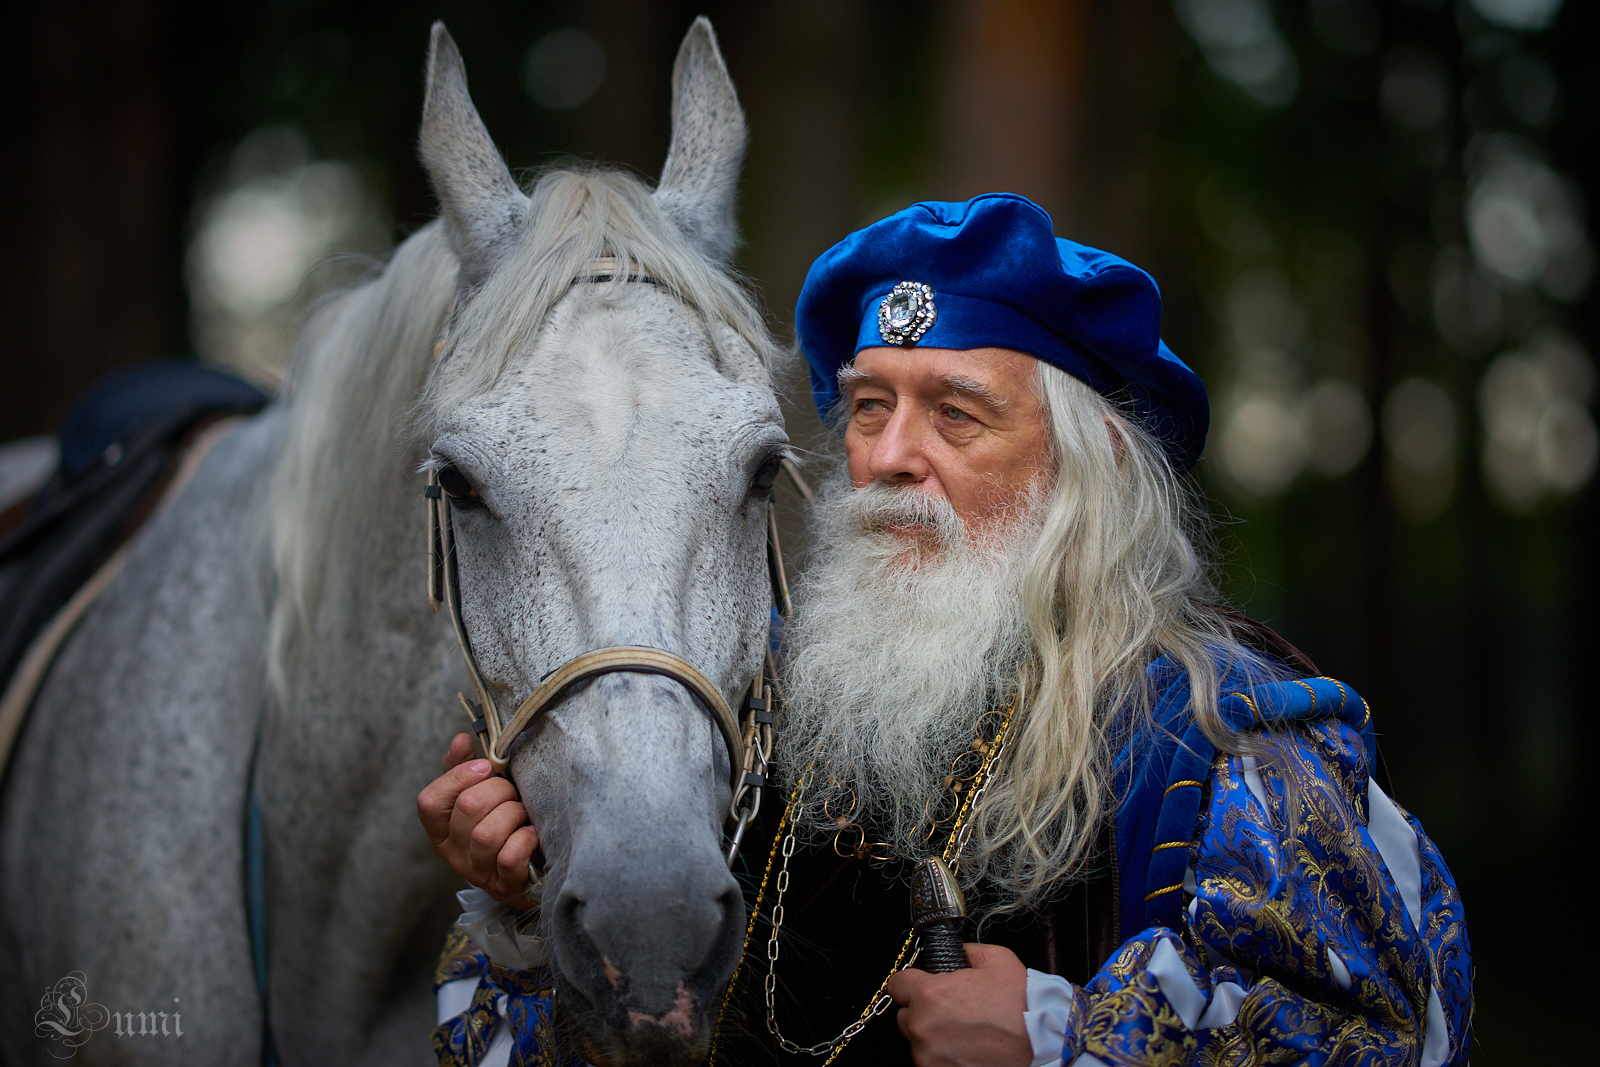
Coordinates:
(906,313)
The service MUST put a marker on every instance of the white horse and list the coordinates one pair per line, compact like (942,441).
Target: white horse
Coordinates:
(608,433)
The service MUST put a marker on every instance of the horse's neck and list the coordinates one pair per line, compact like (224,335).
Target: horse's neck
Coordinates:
(369,713)
(375,588)
(365,678)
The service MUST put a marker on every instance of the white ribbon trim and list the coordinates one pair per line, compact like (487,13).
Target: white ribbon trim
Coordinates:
(1436,1034)
(1177,984)
(1341,973)
(1250,771)
(456,997)
(1225,1000)
(1398,848)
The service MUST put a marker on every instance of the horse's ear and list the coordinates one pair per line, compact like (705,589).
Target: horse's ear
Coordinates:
(482,206)
(699,183)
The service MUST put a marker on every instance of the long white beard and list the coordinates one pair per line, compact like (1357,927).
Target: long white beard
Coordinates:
(896,649)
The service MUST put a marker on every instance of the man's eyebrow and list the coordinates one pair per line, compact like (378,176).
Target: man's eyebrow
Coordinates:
(973,388)
(848,376)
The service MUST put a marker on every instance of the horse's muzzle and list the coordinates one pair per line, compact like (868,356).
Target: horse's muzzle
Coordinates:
(641,970)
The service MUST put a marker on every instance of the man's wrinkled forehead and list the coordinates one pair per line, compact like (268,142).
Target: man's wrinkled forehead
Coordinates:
(966,386)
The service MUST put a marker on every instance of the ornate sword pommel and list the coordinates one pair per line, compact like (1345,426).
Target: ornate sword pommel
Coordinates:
(938,911)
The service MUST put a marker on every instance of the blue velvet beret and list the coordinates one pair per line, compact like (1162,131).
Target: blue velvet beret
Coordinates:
(995,274)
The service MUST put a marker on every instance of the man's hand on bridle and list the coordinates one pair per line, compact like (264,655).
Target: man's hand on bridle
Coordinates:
(966,1018)
(478,826)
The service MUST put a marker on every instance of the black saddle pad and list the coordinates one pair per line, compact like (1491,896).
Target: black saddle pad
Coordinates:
(120,442)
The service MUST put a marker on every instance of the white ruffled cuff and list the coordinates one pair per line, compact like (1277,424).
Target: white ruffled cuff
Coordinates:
(502,932)
(1050,1000)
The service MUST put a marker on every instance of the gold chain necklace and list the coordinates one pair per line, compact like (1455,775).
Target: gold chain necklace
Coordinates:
(963,774)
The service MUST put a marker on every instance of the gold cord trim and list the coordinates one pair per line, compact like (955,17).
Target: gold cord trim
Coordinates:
(1344,694)
(1162,892)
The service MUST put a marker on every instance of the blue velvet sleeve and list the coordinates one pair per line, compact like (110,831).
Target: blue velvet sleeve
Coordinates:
(1320,926)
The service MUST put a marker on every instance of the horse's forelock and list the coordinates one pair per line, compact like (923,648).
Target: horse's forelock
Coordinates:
(578,215)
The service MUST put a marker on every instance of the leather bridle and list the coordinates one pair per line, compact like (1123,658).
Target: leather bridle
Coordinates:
(748,737)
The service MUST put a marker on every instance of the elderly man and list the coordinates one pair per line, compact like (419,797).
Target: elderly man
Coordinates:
(1007,655)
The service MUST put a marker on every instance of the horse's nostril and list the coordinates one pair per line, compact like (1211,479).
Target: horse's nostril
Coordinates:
(731,902)
(569,911)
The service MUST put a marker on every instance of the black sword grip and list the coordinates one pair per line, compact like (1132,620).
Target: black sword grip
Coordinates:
(941,947)
(938,912)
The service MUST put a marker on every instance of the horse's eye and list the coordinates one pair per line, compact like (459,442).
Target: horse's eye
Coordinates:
(767,475)
(461,492)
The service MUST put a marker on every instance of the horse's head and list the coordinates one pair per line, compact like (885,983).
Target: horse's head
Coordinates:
(603,420)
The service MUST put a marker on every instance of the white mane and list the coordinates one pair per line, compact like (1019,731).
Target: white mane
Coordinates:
(365,392)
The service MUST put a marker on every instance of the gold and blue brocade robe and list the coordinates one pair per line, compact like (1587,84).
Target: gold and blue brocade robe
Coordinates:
(1316,925)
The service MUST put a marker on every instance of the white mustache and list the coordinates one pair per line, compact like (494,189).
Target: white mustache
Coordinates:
(881,509)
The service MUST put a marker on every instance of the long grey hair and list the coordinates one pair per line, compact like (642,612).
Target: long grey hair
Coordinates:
(1118,577)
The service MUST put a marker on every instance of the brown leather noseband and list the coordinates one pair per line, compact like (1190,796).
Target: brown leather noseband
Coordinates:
(633,658)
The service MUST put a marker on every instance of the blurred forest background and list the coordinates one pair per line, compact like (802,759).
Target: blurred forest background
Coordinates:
(1368,219)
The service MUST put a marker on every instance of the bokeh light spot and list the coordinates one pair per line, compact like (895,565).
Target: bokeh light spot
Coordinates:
(1539,438)
(1415,91)
(278,215)
(1338,426)
(1243,46)
(1419,429)
(1518,14)
(562,70)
